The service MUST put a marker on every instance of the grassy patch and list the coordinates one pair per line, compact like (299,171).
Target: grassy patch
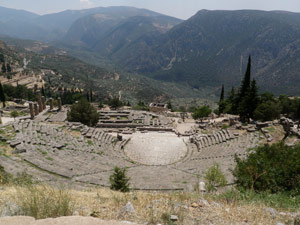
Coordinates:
(41,151)
(270,129)
(43,202)
(8,132)
(100,153)
(225,126)
(90,142)
(278,201)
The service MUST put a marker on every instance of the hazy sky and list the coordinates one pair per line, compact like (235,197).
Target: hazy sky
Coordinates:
(179,8)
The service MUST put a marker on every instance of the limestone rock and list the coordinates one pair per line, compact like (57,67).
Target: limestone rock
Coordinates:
(202,187)
(129,208)
(272,211)
(203,202)
(173,218)
(195,205)
(10,209)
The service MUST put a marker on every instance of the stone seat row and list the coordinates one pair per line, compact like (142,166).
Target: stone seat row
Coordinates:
(204,140)
(99,135)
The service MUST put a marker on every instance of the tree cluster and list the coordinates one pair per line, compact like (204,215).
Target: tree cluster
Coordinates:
(248,104)
(19,92)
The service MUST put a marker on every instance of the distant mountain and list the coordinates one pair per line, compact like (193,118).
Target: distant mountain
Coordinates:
(212,47)
(7,15)
(207,50)
(53,27)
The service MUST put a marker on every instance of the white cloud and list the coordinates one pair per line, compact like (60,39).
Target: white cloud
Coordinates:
(88,3)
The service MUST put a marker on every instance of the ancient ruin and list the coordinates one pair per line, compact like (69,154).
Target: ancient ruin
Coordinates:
(161,152)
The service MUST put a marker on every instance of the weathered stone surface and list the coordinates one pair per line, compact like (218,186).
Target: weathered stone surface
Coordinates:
(19,150)
(14,143)
(74,220)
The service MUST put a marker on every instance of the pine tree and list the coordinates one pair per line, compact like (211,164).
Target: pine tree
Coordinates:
(119,181)
(222,104)
(2,95)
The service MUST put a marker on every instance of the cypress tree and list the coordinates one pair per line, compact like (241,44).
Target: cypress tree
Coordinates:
(2,60)
(253,100)
(249,103)
(2,95)
(91,95)
(244,93)
(233,101)
(222,102)
(247,79)
(222,94)
(3,69)
(43,91)
(8,67)
(298,114)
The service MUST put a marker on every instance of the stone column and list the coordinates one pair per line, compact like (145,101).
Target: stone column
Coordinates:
(44,102)
(36,109)
(59,103)
(51,103)
(31,110)
(39,100)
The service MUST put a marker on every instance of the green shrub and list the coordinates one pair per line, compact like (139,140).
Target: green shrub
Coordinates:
(274,168)
(119,181)
(44,202)
(214,178)
(14,114)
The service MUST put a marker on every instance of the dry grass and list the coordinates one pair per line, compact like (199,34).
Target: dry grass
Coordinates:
(152,207)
